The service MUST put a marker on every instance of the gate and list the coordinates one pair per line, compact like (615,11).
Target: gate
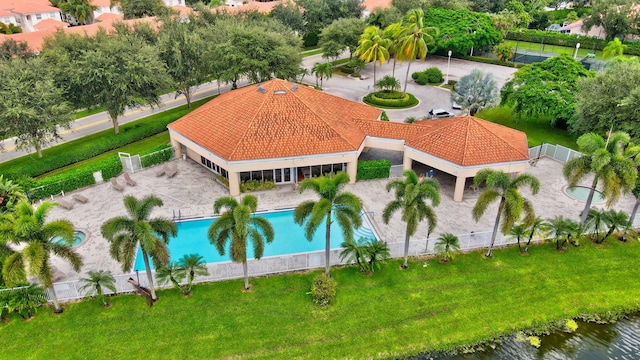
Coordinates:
(130,163)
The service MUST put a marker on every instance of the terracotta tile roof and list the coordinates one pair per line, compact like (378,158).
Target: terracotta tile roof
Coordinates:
(275,119)
(182,10)
(101,2)
(262,7)
(27,6)
(371,5)
(51,23)
(108,16)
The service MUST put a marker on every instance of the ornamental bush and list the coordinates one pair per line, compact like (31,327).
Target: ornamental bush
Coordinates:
(392,99)
(373,169)
(157,155)
(434,75)
(323,290)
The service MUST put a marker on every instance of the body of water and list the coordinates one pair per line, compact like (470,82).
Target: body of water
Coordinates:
(289,239)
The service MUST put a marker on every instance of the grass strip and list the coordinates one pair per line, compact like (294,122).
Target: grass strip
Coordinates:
(562,50)
(394,313)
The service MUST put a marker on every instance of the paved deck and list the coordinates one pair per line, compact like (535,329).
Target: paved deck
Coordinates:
(193,190)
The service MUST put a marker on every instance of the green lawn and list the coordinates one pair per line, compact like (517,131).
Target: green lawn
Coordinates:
(395,313)
(566,50)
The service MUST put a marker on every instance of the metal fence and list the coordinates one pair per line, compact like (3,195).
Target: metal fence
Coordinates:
(557,152)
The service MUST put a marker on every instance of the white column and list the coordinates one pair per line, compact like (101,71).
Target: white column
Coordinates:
(176,145)
(352,171)
(407,162)
(459,191)
(234,183)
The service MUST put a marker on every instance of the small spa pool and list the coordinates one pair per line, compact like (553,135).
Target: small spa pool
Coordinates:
(581,193)
(78,237)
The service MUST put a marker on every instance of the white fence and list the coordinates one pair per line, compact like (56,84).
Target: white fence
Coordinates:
(557,152)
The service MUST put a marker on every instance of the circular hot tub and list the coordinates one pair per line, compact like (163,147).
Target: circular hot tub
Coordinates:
(78,237)
(581,193)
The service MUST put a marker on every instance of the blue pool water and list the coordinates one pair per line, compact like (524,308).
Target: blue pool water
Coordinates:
(78,237)
(289,239)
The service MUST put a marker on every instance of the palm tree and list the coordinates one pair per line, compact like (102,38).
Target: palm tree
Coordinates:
(25,298)
(171,273)
(447,245)
(561,228)
(501,186)
(10,194)
(388,83)
(372,47)
(355,251)
(614,48)
(610,161)
(79,9)
(411,195)
(96,280)
(344,205)
(535,228)
(518,231)
(391,33)
(414,37)
(27,227)
(596,220)
(378,252)
(321,71)
(126,233)
(193,264)
(636,194)
(237,225)
(616,220)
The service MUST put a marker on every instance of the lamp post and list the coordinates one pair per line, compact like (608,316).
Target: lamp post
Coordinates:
(576,53)
(448,63)
(472,43)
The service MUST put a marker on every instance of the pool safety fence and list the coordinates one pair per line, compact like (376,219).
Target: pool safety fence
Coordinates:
(556,152)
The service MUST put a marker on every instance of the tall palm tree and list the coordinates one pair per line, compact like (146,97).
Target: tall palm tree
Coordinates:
(321,71)
(333,202)
(79,9)
(411,195)
(373,47)
(97,280)
(501,186)
(447,245)
(236,224)
(10,194)
(392,33)
(27,227)
(193,264)
(611,163)
(414,37)
(126,233)
(535,228)
(636,194)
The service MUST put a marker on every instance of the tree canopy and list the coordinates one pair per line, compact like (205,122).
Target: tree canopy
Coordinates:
(133,9)
(340,35)
(460,30)
(615,16)
(545,88)
(475,91)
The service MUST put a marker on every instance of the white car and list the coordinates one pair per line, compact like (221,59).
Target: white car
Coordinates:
(439,113)
(456,106)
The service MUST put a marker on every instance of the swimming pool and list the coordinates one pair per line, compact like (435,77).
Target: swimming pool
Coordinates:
(581,193)
(78,237)
(289,239)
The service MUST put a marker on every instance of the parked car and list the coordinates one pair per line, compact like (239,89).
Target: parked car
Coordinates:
(456,106)
(439,113)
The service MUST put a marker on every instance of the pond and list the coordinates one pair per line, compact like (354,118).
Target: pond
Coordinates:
(620,340)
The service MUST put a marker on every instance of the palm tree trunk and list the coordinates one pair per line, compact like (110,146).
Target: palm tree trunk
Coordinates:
(393,72)
(56,305)
(374,75)
(526,248)
(519,247)
(145,257)
(246,275)
(406,248)
(406,79)
(495,228)
(327,239)
(39,150)
(634,212)
(587,206)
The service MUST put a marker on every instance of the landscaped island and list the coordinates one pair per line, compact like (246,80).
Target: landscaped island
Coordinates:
(394,313)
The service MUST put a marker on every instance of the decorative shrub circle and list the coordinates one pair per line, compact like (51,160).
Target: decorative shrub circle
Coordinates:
(391,99)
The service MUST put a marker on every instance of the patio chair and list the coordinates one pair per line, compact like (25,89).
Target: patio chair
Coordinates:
(129,180)
(80,198)
(172,171)
(65,204)
(163,170)
(115,185)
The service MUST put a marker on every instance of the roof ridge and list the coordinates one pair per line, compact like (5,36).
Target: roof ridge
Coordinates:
(481,123)
(252,120)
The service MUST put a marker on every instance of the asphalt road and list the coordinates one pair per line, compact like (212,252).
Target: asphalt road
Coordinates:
(348,88)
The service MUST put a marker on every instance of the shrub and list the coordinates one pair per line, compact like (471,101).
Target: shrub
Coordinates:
(310,39)
(434,75)
(422,79)
(223,180)
(415,75)
(373,169)
(410,120)
(384,116)
(323,290)
(485,60)
(157,155)
(391,99)
(346,69)
(255,185)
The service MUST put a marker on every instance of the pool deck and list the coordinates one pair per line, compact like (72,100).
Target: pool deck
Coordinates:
(192,191)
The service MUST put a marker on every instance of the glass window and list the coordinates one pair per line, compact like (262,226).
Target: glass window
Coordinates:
(337,168)
(315,171)
(245,175)
(203,160)
(52,15)
(224,173)
(268,175)
(209,163)
(38,16)
(278,173)
(256,175)
(287,174)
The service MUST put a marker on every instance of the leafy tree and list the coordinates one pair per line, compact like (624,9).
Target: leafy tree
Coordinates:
(561,229)
(289,14)
(545,88)
(126,233)
(81,10)
(609,161)
(9,29)
(193,264)
(318,14)
(356,65)
(411,196)
(96,281)
(404,6)
(503,51)
(340,35)
(518,231)
(321,71)
(238,226)
(518,14)
(333,205)
(475,91)
(461,30)
(611,99)
(27,227)
(133,9)
(384,17)
(539,20)
(11,49)
(120,72)
(414,37)
(388,83)
(614,48)
(613,16)
(32,107)
(502,187)
(373,47)
(10,194)
(572,16)
(171,273)
(186,55)
(447,245)
(487,6)
(25,300)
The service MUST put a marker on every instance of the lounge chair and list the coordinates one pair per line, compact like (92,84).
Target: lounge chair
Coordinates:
(65,204)
(129,180)
(115,185)
(163,170)
(172,171)
(80,198)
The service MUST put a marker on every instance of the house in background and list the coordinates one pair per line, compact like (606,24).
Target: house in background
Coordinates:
(285,132)
(575,28)
(28,13)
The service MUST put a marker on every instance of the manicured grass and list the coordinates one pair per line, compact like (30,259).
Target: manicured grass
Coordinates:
(394,313)
(311,52)
(566,50)
(86,112)
(539,130)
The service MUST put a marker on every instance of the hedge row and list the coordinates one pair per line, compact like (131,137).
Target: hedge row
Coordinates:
(556,38)
(384,100)
(373,169)
(485,60)
(432,75)
(157,155)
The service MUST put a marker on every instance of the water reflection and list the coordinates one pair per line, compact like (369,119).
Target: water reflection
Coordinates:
(591,341)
